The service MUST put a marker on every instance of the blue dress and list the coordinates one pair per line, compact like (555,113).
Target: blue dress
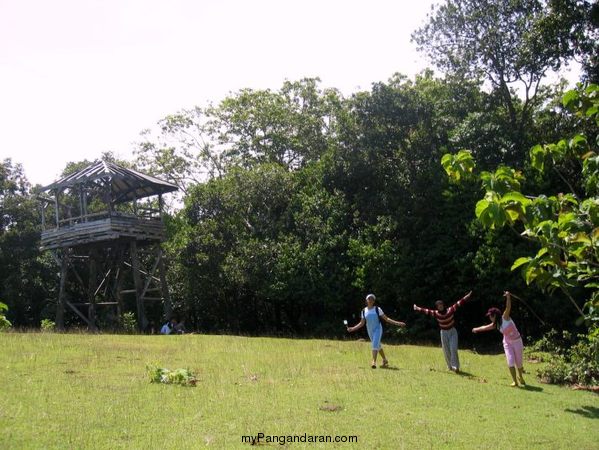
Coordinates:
(373,325)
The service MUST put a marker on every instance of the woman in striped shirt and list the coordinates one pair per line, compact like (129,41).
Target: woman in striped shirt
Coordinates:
(449,335)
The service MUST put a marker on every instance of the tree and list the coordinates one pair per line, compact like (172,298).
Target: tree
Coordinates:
(288,240)
(512,44)
(25,274)
(565,225)
(181,152)
(409,233)
(263,242)
(581,18)
(290,127)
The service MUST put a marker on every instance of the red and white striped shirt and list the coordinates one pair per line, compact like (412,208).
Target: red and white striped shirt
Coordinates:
(444,318)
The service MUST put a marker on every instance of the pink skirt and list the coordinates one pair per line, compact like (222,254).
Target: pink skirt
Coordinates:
(513,352)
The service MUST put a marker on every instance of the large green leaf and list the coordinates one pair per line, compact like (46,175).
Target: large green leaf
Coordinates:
(446,161)
(496,214)
(459,166)
(515,197)
(567,221)
(537,157)
(581,238)
(481,206)
(579,144)
(513,212)
(570,99)
(521,261)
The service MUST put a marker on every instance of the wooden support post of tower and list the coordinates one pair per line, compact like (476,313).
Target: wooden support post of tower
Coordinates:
(118,284)
(91,288)
(64,270)
(168,306)
(141,319)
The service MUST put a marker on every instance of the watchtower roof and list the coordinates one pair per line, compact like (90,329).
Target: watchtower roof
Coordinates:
(125,184)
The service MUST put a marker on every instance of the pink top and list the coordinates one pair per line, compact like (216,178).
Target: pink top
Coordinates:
(509,330)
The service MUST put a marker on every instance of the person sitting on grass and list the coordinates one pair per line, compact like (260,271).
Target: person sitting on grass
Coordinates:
(180,327)
(449,335)
(371,315)
(512,341)
(169,327)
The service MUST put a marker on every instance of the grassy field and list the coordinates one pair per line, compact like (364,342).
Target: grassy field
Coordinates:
(92,391)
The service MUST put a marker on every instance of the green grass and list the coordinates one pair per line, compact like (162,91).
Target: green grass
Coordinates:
(92,391)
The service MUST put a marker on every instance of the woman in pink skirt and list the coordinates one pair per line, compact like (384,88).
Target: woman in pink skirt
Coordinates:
(512,341)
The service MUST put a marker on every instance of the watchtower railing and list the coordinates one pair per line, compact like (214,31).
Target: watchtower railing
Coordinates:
(102,226)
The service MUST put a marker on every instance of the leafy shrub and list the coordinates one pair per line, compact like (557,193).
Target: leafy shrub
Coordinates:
(4,322)
(48,325)
(553,342)
(576,365)
(584,361)
(556,372)
(128,323)
(183,377)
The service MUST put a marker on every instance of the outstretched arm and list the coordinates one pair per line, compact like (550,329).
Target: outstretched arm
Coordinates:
(429,312)
(463,300)
(488,327)
(394,322)
(508,305)
(356,327)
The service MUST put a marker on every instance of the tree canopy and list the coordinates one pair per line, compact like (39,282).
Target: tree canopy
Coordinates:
(295,202)
(565,225)
(513,45)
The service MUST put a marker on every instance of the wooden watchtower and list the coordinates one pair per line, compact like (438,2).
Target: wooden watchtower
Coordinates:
(105,232)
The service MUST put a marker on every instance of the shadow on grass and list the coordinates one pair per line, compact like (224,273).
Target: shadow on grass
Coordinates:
(590,412)
(370,369)
(472,377)
(463,373)
(528,387)
(450,372)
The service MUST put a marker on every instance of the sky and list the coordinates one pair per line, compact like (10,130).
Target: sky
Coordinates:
(80,77)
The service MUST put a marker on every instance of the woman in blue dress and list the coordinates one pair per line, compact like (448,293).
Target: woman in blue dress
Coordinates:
(372,316)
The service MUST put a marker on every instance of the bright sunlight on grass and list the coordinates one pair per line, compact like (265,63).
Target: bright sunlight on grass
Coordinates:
(93,391)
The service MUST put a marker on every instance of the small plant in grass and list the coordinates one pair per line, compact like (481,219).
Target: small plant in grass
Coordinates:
(183,377)
(4,322)
(128,323)
(397,333)
(48,325)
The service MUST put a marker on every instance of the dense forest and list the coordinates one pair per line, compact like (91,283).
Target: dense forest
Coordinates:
(295,203)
